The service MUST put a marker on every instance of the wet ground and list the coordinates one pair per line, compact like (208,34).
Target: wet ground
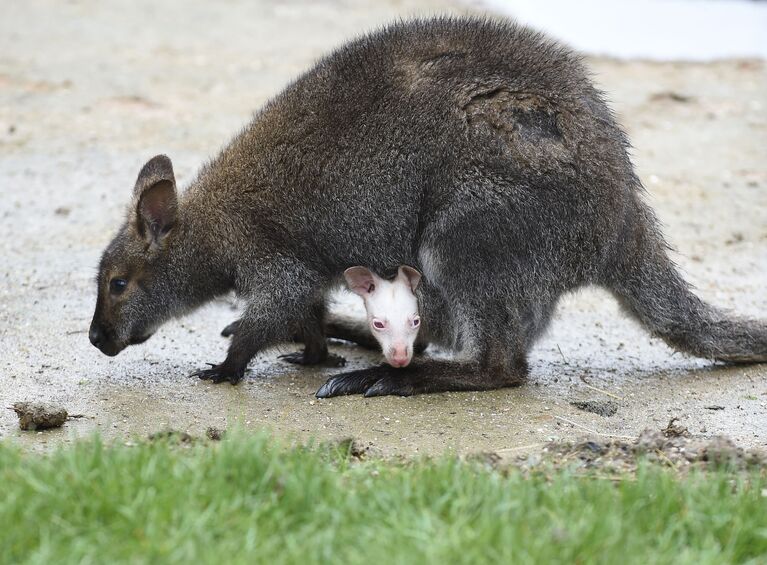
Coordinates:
(89,91)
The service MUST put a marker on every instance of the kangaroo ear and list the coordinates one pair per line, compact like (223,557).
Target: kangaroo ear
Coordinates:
(410,275)
(155,196)
(360,280)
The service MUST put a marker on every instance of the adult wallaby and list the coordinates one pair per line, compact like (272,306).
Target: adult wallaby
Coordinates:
(478,151)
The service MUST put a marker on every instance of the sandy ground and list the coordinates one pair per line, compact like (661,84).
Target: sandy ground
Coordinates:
(89,90)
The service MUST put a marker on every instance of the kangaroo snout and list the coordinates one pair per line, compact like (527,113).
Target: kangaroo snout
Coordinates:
(102,341)
(399,356)
(96,336)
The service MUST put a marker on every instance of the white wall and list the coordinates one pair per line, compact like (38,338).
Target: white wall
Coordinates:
(651,29)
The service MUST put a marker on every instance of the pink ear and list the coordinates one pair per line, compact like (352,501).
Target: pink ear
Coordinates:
(360,280)
(410,275)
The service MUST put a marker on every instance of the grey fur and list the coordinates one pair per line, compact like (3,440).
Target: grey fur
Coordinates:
(477,151)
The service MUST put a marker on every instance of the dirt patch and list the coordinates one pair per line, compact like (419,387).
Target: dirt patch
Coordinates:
(604,408)
(671,447)
(674,429)
(215,434)
(670,96)
(355,449)
(172,436)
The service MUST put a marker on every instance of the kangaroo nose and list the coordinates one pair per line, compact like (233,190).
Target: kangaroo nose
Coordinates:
(399,357)
(95,336)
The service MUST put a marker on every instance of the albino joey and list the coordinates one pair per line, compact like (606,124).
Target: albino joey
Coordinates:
(392,310)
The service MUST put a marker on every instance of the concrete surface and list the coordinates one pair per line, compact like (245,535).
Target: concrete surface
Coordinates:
(89,90)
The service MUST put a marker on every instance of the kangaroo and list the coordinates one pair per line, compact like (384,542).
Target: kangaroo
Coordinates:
(477,151)
(392,310)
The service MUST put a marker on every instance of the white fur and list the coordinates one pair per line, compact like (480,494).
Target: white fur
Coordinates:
(392,310)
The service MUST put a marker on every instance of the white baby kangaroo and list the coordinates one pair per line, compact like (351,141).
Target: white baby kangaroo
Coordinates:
(392,310)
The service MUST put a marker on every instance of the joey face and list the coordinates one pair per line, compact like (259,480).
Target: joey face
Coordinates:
(135,293)
(392,310)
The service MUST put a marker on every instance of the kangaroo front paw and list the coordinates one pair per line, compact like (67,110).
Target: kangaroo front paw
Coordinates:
(220,374)
(355,382)
(301,358)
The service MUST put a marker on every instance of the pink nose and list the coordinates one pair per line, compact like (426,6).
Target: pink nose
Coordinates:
(398,357)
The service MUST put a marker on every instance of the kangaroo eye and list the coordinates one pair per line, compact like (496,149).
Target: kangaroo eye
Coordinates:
(416,322)
(378,324)
(117,286)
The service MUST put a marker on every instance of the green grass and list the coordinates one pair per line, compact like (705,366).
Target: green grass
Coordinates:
(248,500)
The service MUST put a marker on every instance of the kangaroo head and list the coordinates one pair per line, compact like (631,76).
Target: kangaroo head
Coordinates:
(136,280)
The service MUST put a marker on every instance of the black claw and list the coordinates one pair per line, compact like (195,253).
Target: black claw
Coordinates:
(338,387)
(325,391)
(389,386)
(299,358)
(296,357)
(378,389)
(375,390)
(354,382)
(219,374)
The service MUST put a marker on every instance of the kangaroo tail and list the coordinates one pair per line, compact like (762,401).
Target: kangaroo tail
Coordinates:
(648,285)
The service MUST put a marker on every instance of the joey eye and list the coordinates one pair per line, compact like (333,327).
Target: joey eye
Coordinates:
(117,286)
(378,324)
(416,322)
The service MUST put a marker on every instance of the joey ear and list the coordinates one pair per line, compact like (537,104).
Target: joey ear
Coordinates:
(360,280)
(155,196)
(410,275)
